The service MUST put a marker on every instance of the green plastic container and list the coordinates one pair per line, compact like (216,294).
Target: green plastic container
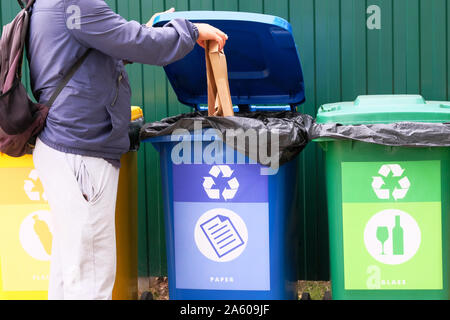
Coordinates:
(387,206)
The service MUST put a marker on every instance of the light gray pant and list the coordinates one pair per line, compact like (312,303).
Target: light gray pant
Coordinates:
(82,195)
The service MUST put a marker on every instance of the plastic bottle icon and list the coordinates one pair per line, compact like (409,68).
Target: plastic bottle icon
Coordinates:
(43,232)
(397,238)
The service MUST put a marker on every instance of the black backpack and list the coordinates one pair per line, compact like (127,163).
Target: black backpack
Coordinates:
(21,120)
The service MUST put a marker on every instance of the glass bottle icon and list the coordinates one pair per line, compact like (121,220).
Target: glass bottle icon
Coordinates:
(397,238)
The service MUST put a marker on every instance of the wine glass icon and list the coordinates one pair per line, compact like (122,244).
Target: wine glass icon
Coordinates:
(382,236)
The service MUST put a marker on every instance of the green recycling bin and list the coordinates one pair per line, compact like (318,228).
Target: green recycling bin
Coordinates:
(388,200)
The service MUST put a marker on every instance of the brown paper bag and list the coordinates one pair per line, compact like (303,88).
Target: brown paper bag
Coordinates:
(219,98)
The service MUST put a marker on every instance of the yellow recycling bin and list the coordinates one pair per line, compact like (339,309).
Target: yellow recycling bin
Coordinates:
(26,231)
(126,285)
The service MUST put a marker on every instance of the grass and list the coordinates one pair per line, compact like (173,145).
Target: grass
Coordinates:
(316,289)
(158,286)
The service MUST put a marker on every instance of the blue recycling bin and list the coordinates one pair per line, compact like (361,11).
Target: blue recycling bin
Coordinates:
(230,225)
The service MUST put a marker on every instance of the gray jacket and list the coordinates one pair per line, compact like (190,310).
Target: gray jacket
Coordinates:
(91,115)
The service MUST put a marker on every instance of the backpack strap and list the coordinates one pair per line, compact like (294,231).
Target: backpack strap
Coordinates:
(27,6)
(72,69)
(67,77)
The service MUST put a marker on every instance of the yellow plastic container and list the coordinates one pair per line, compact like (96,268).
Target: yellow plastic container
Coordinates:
(25,230)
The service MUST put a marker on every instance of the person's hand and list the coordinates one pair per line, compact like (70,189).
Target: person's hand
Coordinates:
(150,23)
(208,32)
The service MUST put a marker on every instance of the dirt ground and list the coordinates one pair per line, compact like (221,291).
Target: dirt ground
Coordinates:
(158,286)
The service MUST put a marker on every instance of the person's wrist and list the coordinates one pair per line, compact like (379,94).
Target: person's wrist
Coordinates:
(196,32)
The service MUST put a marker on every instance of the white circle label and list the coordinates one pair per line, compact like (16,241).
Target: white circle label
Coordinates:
(392,236)
(35,235)
(221,235)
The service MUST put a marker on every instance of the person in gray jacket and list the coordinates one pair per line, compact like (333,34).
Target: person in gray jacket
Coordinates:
(78,153)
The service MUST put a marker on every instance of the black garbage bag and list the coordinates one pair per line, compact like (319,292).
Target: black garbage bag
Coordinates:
(286,129)
(406,134)
(134,130)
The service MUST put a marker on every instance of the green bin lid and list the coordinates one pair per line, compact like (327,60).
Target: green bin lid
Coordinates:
(373,109)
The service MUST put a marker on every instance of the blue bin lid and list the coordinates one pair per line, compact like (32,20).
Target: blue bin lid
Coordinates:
(263,63)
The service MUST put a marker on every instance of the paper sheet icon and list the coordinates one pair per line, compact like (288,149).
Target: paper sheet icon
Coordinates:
(222,235)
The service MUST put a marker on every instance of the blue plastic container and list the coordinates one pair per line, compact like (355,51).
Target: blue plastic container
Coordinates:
(230,225)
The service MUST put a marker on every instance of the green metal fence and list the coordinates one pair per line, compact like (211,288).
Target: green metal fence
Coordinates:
(347,48)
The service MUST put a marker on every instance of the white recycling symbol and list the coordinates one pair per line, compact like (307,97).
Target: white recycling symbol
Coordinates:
(209,183)
(29,186)
(397,193)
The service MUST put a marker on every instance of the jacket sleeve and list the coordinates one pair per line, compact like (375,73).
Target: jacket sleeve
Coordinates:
(95,25)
